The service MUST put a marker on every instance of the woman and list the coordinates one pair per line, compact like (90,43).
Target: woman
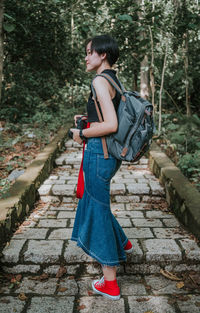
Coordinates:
(96,230)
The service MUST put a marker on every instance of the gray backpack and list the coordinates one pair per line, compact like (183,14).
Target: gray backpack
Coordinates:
(135,125)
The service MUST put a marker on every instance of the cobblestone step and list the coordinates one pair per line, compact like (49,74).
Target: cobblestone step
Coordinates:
(42,246)
(138,202)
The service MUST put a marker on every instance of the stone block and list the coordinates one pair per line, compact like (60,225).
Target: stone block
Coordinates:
(74,254)
(49,214)
(161,285)
(45,287)
(192,250)
(149,304)
(189,305)
(71,222)
(51,199)
(63,190)
(63,233)
(84,285)
(66,214)
(101,305)
(64,207)
(21,268)
(138,189)
(171,233)
(183,267)
(69,286)
(69,143)
(52,223)
(171,222)
(137,255)
(151,199)
(129,214)
(142,268)
(44,190)
(158,214)
(131,285)
(11,304)
(156,188)
(11,252)
(136,232)
(50,304)
(43,251)
(31,233)
(117,206)
(143,222)
(136,206)
(126,199)
(142,180)
(162,250)
(60,160)
(117,188)
(124,222)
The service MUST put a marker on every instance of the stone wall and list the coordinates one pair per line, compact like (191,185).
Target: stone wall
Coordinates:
(181,195)
(24,192)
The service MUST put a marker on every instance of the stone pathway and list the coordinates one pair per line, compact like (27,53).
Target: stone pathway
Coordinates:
(43,271)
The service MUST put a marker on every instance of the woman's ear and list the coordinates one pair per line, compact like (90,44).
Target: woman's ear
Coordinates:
(103,56)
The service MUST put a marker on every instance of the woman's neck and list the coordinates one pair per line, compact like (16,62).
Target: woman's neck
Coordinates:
(102,67)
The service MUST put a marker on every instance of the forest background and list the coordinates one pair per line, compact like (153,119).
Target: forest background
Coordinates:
(43,82)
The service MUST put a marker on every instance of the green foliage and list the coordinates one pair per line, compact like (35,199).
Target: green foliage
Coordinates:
(182,135)
(39,57)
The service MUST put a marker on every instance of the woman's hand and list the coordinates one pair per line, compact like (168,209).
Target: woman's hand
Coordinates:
(76,135)
(76,117)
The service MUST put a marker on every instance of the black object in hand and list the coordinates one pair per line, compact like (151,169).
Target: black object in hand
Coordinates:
(81,124)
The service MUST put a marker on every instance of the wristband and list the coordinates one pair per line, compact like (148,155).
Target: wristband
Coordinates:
(82,136)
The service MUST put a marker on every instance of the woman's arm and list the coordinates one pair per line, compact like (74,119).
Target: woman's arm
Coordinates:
(105,93)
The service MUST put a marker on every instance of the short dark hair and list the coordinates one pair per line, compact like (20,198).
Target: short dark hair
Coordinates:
(105,44)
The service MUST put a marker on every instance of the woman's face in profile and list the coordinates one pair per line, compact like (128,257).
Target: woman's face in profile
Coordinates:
(93,59)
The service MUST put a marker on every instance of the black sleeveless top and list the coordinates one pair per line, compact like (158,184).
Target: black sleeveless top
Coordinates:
(91,109)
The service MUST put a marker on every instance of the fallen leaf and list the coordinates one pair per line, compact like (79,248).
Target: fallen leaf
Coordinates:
(13,280)
(18,277)
(62,289)
(148,312)
(90,293)
(71,277)
(197,304)
(62,270)
(169,275)
(142,299)
(171,301)
(22,296)
(5,300)
(81,307)
(183,297)
(180,285)
(26,223)
(43,276)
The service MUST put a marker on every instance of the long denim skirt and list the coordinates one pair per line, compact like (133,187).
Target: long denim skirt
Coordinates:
(95,229)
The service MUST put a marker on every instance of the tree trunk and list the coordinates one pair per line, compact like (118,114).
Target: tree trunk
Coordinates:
(1,44)
(151,72)
(144,70)
(144,78)
(161,89)
(135,78)
(186,66)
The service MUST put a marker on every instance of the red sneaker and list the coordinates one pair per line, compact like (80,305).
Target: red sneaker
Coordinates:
(109,289)
(128,247)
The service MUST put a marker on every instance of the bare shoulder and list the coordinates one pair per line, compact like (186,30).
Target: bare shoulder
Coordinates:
(100,82)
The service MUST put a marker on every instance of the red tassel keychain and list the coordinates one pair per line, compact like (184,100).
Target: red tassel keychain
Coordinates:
(80,184)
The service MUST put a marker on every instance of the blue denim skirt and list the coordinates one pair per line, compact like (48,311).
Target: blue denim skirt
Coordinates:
(95,229)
